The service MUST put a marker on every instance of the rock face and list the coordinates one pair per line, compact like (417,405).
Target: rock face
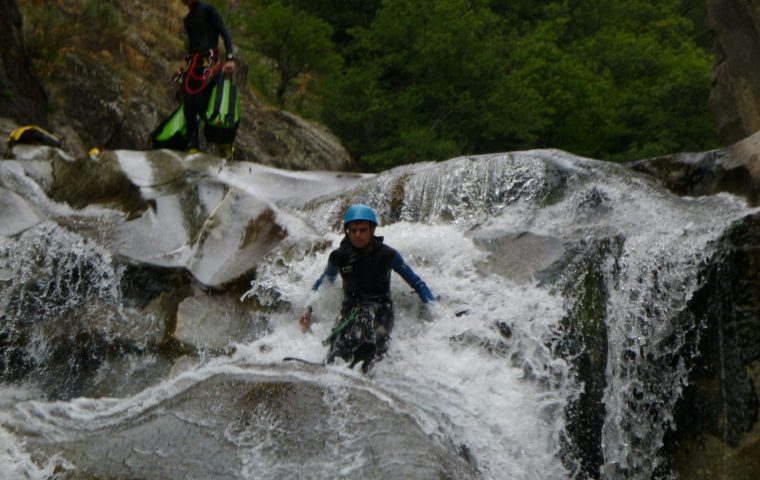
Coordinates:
(734,169)
(140,264)
(735,97)
(21,95)
(157,249)
(717,433)
(293,416)
(181,236)
(717,426)
(112,87)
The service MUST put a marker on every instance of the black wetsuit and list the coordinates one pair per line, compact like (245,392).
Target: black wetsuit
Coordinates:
(203,26)
(366,275)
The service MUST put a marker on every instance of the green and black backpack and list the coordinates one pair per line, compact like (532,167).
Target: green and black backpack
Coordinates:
(172,132)
(223,111)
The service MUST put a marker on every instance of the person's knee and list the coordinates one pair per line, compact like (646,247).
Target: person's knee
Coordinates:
(382,334)
(384,321)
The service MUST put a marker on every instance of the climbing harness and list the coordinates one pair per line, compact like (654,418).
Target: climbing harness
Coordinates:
(341,326)
(358,338)
(198,70)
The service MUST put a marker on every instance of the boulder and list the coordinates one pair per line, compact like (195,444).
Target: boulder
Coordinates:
(520,257)
(735,96)
(64,290)
(213,322)
(734,169)
(582,276)
(126,261)
(223,426)
(16,215)
(284,140)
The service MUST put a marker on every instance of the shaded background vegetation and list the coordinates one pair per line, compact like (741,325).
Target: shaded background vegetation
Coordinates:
(422,80)
(402,81)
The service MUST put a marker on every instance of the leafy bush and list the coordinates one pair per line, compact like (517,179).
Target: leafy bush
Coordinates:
(297,44)
(613,79)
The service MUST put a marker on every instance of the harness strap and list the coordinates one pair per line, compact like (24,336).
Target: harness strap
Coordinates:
(219,95)
(340,327)
(231,111)
(209,71)
(229,118)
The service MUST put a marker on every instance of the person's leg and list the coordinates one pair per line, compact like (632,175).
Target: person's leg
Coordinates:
(195,105)
(383,325)
(190,108)
(338,340)
(226,150)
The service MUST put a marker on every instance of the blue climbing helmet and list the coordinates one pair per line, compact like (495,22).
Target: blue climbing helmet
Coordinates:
(359,212)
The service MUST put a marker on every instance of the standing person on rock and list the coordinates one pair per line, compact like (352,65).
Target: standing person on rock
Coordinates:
(203,25)
(364,263)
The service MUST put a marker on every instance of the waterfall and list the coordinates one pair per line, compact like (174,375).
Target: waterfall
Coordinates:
(541,261)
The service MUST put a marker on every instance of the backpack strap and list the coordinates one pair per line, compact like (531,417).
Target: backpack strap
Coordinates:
(231,104)
(218,97)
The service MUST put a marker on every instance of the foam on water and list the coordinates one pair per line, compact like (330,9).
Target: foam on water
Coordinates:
(497,399)
(496,408)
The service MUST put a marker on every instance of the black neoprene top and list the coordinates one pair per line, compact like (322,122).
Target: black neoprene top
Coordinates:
(367,272)
(203,25)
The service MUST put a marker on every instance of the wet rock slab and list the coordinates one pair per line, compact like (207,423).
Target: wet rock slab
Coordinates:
(236,427)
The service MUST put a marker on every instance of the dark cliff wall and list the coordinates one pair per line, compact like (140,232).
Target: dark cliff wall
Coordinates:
(717,434)
(22,98)
(735,97)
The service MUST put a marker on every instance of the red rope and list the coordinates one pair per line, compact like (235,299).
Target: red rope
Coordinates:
(208,72)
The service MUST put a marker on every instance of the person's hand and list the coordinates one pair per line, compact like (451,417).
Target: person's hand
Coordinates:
(305,321)
(228,66)
(429,311)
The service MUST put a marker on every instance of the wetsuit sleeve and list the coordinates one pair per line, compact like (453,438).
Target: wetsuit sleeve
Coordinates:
(399,266)
(216,21)
(330,273)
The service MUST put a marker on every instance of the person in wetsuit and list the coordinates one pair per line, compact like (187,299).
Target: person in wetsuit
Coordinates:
(364,264)
(203,27)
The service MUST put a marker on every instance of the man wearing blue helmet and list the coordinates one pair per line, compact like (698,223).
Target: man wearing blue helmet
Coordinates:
(364,263)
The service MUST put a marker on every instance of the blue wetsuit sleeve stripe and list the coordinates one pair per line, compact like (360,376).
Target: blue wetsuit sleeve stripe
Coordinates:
(399,266)
(330,273)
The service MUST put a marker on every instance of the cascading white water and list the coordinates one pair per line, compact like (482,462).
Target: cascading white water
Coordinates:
(496,400)
(460,391)
(666,239)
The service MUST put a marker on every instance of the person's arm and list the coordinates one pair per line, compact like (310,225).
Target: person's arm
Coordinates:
(330,273)
(399,266)
(216,19)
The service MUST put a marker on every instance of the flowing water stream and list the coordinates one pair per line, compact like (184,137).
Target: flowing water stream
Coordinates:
(478,387)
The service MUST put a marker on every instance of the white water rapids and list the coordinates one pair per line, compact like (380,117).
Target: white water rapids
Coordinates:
(496,401)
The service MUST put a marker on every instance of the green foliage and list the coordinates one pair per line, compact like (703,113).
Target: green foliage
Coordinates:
(342,15)
(636,84)
(424,73)
(298,45)
(45,31)
(609,79)
(431,79)
(99,17)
